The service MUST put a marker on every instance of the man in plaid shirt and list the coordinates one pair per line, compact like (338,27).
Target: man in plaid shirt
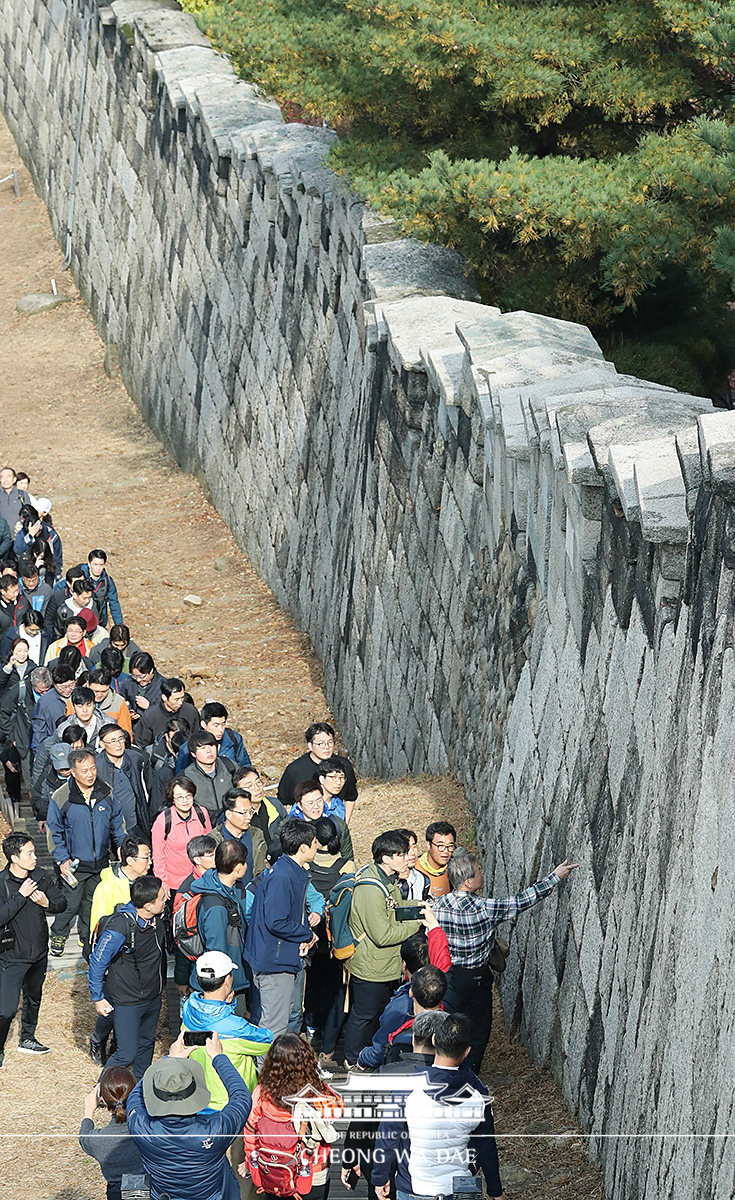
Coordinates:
(469,922)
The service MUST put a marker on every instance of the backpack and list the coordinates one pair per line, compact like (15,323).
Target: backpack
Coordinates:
(185,922)
(280,1164)
(131,924)
(337,914)
(325,879)
(167,818)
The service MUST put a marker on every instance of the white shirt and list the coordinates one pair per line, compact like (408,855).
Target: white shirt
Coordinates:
(440,1134)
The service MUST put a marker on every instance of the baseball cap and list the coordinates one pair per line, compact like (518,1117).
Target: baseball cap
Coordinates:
(43,505)
(59,756)
(213,964)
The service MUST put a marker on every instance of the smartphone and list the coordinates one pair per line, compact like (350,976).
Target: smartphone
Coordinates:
(196,1037)
(352,1179)
(409,912)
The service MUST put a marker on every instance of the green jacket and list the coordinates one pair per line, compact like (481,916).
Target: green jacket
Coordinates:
(377,933)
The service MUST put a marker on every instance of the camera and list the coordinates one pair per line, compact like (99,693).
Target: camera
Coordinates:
(409,912)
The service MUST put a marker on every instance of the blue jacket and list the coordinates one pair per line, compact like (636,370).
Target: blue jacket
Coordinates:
(105,592)
(79,831)
(214,924)
(278,923)
(108,947)
(232,746)
(186,1157)
(47,711)
(200,1013)
(396,1012)
(392,1144)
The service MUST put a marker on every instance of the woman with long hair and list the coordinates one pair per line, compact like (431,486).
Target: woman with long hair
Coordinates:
(289,1132)
(112,1145)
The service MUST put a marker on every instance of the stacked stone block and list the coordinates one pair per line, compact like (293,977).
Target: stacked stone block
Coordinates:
(515,563)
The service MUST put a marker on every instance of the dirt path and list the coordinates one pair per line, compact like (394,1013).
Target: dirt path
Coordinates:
(86,446)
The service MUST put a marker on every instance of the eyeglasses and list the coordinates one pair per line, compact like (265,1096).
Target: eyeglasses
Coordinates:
(241,812)
(443,845)
(335,775)
(144,857)
(113,741)
(323,744)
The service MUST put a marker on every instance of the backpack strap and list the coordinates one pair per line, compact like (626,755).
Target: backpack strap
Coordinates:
(167,818)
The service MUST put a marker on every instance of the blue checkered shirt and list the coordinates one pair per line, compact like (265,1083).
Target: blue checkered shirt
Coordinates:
(469,920)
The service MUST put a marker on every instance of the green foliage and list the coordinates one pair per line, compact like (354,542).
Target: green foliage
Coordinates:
(580,154)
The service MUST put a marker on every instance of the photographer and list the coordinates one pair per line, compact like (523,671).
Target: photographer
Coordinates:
(378,934)
(112,1146)
(469,922)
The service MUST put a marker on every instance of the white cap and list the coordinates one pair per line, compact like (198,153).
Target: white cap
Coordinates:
(214,965)
(43,505)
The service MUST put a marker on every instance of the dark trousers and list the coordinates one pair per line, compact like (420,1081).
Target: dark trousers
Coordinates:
(135,1034)
(470,991)
(78,904)
(367,1001)
(103,1027)
(17,977)
(325,999)
(13,779)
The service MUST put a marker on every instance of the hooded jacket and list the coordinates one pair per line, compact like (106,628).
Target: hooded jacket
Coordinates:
(241,1041)
(217,924)
(186,1157)
(83,831)
(112,889)
(278,922)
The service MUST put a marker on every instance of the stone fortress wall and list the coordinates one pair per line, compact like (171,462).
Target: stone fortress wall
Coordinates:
(515,563)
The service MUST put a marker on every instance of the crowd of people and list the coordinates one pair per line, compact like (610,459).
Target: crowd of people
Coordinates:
(294,964)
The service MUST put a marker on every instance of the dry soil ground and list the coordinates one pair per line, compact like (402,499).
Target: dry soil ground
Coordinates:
(85,445)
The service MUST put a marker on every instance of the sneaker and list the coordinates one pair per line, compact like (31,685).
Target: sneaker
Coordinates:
(96,1052)
(31,1046)
(56,946)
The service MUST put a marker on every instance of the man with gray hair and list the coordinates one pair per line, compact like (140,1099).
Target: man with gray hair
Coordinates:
(470,921)
(25,686)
